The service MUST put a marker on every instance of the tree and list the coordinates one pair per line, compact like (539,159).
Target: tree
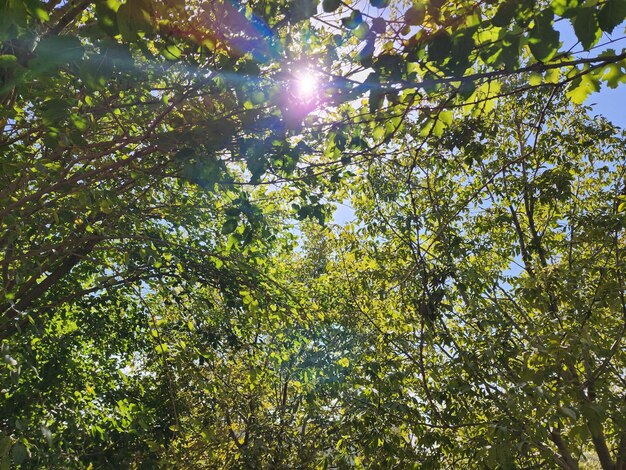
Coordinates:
(104,100)
(437,331)
(152,154)
(497,287)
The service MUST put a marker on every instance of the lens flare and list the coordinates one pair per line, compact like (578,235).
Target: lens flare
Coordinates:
(306,85)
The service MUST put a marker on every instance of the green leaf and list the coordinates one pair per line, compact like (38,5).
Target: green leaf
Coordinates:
(105,13)
(303,9)
(379,25)
(95,72)
(330,5)
(19,453)
(446,117)
(352,21)
(57,50)
(586,27)
(535,79)
(41,13)
(505,14)
(343,362)
(594,416)
(5,447)
(565,8)
(378,133)
(230,225)
(54,111)
(134,17)
(375,100)
(105,206)
(543,38)
(80,122)
(612,14)
(582,87)
(414,16)
(567,412)
(439,48)
(380,3)
(613,75)
(361,32)
(171,52)
(7,61)
(364,56)
(438,127)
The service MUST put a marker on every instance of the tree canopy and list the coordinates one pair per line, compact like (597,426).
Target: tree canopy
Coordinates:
(176,294)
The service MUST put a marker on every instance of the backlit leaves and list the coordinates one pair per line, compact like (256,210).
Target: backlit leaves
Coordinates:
(543,38)
(586,27)
(612,14)
(330,5)
(134,17)
(175,292)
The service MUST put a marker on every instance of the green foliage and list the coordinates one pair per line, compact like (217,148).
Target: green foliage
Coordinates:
(611,14)
(586,27)
(174,293)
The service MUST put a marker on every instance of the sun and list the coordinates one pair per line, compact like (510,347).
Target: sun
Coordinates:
(307,85)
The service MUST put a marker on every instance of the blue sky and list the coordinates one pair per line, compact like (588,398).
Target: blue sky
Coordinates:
(610,103)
